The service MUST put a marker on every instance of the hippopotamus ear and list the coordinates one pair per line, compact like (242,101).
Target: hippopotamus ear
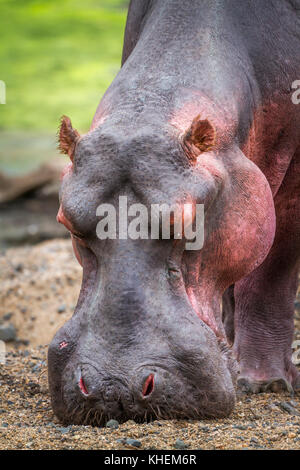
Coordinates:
(67,137)
(200,137)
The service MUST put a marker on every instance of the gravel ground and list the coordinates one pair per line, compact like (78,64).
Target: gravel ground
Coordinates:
(39,287)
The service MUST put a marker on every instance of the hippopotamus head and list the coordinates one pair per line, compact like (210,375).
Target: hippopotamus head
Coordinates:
(146,339)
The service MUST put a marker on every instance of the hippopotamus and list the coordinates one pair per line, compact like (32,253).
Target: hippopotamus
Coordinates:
(202,110)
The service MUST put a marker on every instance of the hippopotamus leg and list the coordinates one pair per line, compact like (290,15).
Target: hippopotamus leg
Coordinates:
(228,307)
(264,302)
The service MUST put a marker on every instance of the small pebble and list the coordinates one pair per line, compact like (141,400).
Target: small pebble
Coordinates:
(180,445)
(240,427)
(7,316)
(61,309)
(288,408)
(19,267)
(112,424)
(133,442)
(64,430)
(7,332)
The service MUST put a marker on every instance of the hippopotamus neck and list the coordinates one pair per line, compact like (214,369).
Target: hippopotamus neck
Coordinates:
(216,74)
(212,70)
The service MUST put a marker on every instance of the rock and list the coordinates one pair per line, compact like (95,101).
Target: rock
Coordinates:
(133,442)
(203,428)
(7,332)
(293,403)
(121,440)
(22,341)
(34,388)
(180,445)
(64,430)
(61,309)
(288,408)
(272,407)
(7,316)
(19,267)
(112,424)
(37,367)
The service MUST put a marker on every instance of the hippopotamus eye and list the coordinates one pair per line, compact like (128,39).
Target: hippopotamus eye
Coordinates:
(62,219)
(174,272)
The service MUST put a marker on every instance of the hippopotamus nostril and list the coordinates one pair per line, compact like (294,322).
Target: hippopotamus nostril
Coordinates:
(83,387)
(148,386)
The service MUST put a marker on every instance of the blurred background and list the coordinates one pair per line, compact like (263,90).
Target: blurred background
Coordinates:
(56,57)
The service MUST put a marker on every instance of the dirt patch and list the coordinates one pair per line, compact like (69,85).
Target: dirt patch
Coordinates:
(39,289)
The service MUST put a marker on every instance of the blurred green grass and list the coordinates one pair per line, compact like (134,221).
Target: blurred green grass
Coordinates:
(57,57)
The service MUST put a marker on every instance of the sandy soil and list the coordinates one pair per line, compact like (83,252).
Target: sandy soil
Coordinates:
(39,289)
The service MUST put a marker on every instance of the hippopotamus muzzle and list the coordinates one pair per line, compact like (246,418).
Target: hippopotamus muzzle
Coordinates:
(134,348)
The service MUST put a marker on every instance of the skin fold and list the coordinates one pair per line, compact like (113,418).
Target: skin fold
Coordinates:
(201,111)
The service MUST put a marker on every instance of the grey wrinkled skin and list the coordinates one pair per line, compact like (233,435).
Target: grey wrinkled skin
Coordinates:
(232,62)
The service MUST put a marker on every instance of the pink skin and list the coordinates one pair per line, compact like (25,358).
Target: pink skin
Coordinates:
(264,300)
(264,356)
(61,218)
(67,170)
(201,105)
(75,239)
(82,387)
(148,386)
(251,228)
(272,155)
(223,264)
(99,119)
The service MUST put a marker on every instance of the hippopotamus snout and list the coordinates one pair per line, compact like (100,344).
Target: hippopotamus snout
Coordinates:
(137,386)
(93,400)
(92,384)
(124,396)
